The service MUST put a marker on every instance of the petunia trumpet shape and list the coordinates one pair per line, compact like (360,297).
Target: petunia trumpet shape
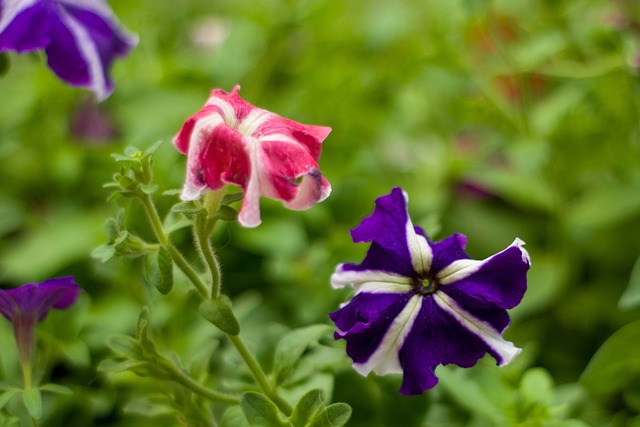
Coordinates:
(29,304)
(419,304)
(230,141)
(81,38)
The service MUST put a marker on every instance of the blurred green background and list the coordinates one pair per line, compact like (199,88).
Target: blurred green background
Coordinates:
(500,119)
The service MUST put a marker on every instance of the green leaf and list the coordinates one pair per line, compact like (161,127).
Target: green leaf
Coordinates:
(631,297)
(291,347)
(621,203)
(33,402)
(104,252)
(233,197)
(335,415)
(616,363)
(159,270)
(234,417)
(114,366)
(307,407)
(149,188)
(7,396)
(187,208)
(111,229)
(124,346)
(536,386)
(147,406)
(56,388)
(261,411)
(226,213)
(219,312)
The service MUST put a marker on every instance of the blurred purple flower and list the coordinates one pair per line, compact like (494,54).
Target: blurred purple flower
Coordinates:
(29,304)
(81,38)
(419,304)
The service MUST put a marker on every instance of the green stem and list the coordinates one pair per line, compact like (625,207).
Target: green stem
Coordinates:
(259,375)
(177,257)
(185,380)
(210,258)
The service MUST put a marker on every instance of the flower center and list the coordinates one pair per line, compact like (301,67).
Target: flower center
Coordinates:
(425,285)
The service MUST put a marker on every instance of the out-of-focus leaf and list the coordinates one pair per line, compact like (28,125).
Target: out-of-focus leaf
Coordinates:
(56,388)
(536,386)
(234,417)
(32,399)
(616,363)
(66,238)
(603,207)
(291,347)
(148,406)
(11,215)
(8,395)
(631,297)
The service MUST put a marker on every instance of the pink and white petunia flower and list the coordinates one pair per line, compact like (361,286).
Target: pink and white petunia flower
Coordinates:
(230,141)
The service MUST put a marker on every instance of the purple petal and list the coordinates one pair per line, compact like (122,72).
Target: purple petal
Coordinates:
(36,299)
(23,25)
(364,321)
(446,336)
(447,251)
(499,281)
(83,46)
(386,228)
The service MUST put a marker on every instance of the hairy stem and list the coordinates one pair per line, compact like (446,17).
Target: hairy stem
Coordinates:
(177,257)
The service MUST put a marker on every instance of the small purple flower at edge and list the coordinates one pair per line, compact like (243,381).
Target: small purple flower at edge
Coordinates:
(419,304)
(29,304)
(81,38)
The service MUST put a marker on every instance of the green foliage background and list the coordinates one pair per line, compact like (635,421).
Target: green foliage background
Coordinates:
(500,119)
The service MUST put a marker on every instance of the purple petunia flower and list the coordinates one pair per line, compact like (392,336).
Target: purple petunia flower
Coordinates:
(419,304)
(29,304)
(81,38)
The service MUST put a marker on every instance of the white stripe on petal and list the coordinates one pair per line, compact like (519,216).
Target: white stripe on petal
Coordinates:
(341,278)
(228,112)
(11,8)
(483,330)
(462,268)
(419,249)
(89,53)
(250,124)
(385,359)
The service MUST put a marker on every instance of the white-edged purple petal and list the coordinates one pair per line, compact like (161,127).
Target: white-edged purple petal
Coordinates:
(503,351)
(81,38)
(438,337)
(497,281)
(365,321)
(396,245)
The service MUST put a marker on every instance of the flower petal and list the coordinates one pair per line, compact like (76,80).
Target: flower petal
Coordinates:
(447,251)
(503,351)
(443,335)
(37,299)
(81,38)
(230,141)
(370,281)
(23,25)
(396,243)
(498,281)
(374,326)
